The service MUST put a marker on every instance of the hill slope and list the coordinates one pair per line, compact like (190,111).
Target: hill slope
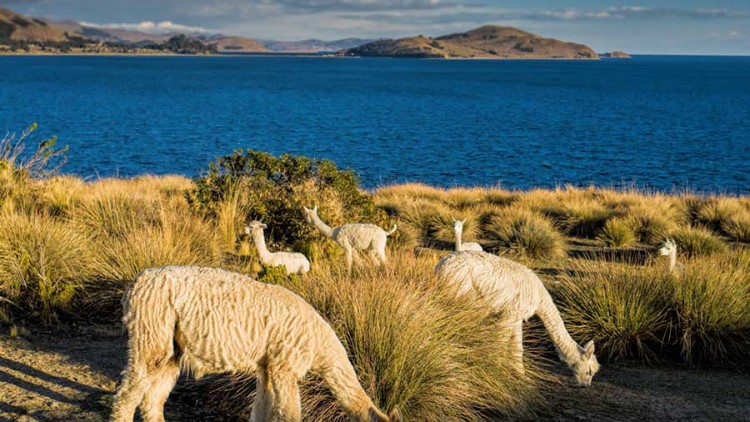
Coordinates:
(487,42)
(15,27)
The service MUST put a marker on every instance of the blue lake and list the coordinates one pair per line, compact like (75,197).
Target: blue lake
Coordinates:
(659,122)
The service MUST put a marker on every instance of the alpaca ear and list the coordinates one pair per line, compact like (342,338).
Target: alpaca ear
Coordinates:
(395,415)
(463,221)
(315,208)
(454,220)
(262,225)
(588,350)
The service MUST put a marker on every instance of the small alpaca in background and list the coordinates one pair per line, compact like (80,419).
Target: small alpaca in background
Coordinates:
(353,237)
(458,229)
(669,249)
(294,262)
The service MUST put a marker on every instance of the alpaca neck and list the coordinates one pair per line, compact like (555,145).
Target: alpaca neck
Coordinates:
(339,374)
(672,260)
(260,245)
(567,348)
(324,228)
(458,240)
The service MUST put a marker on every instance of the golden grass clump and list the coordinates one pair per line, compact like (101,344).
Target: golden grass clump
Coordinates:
(651,223)
(623,308)
(416,345)
(697,241)
(711,301)
(522,232)
(43,263)
(713,212)
(737,226)
(617,233)
(583,218)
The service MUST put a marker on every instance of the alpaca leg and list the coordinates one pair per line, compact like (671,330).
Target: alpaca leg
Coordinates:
(162,380)
(516,345)
(349,258)
(135,382)
(381,254)
(264,398)
(286,391)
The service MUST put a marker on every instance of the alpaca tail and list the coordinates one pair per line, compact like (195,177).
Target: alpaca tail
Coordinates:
(391,231)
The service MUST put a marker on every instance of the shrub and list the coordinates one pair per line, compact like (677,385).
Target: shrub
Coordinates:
(617,233)
(43,264)
(583,219)
(276,188)
(523,232)
(697,241)
(711,299)
(622,308)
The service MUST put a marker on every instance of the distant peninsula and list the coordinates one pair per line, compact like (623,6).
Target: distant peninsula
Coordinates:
(615,55)
(486,42)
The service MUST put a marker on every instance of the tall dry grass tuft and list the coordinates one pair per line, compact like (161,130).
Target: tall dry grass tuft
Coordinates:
(737,226)
(617,233)
(711,301)
(651,223)
(623,308)
(43,264)
(522,232)
(697,241)
(714,212)
(416,345)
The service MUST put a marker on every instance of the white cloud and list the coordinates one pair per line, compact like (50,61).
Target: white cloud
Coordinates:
(150,27)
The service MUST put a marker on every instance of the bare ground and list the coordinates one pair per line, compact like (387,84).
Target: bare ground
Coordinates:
(70,376)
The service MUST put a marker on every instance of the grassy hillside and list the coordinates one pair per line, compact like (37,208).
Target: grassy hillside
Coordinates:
(69,247)
(487,42)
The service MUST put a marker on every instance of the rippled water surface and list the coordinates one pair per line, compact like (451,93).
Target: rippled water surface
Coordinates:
(659,122)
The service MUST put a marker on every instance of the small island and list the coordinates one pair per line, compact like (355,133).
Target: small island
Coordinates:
(486,42)
(615,55)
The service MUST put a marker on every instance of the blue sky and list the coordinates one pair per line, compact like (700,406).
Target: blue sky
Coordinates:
(647,27)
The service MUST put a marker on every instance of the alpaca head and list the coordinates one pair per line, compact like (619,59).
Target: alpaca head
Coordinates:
(668,248)
(310,214)
(586,366)
(376,416)
(458,225)
(255,226)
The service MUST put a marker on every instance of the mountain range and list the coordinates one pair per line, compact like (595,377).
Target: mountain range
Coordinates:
(486,42)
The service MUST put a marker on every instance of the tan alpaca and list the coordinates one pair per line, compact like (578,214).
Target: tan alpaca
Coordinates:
(206,320)
(669,249)
(293,262)
(458,230)
(514,291)
(353,237)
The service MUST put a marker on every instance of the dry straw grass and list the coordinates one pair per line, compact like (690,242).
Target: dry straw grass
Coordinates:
(414,344)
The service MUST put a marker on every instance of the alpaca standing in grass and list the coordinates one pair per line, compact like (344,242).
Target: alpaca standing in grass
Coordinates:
(458,229)
(353,237)
(515,292)
(207,320)
(669,249)
(294,262)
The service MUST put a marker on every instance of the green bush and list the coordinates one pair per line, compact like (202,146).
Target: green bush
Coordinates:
(276,188)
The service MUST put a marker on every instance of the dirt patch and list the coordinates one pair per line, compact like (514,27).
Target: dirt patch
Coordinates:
(71,376)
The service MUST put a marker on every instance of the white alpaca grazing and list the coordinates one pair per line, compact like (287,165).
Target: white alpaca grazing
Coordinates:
(515,292)
(294,262)
(353,237)
(669,249)
(207,320)
(458,229)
